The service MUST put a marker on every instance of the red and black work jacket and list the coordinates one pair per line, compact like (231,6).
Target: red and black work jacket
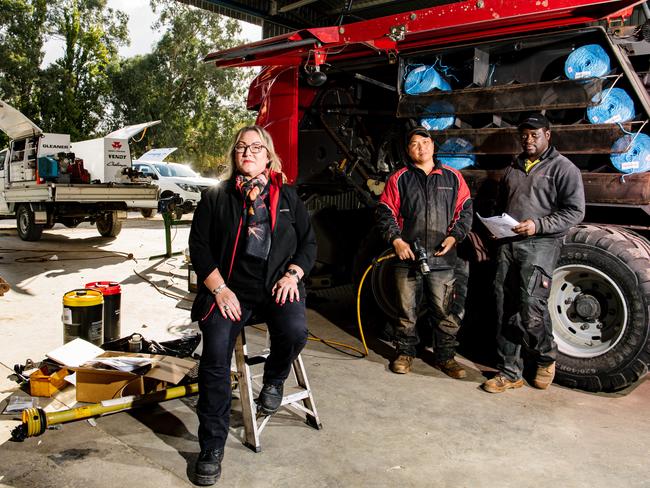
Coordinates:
(429,208)
(218,226)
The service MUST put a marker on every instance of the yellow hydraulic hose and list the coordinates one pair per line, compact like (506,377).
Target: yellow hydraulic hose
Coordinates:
(36,421)
(374,263)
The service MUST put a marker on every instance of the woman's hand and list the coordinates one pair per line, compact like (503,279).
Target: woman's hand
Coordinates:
(228,304)
(286,287)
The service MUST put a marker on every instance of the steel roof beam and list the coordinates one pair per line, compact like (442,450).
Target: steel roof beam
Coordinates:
(295,5)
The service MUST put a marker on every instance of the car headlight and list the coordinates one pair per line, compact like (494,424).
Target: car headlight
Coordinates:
(190,188)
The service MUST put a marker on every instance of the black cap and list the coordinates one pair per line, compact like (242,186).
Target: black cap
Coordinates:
(418,130)
(534,121)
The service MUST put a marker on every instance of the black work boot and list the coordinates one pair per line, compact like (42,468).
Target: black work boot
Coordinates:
(270,398)
(208,467)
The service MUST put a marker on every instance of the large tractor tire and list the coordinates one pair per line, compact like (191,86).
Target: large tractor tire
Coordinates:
(383,287)
(600,308)
(28,230)
(109,225)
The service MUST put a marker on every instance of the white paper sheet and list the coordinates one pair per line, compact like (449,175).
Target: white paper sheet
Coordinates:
(500,225)
(75,353)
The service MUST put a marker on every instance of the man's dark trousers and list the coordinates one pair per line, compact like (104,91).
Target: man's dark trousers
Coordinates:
(522,286)
(436,288)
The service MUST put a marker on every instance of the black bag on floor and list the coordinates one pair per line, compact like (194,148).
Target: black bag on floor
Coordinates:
(180,348)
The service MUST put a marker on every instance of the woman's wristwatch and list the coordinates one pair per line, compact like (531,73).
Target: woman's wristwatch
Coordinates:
(293,274)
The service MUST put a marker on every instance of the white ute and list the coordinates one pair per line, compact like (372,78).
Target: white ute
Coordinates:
(43,182)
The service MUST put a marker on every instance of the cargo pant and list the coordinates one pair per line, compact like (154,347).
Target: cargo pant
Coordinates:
(436,289)
(522,287)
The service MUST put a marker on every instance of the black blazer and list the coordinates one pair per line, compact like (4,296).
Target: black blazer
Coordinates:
(218,224)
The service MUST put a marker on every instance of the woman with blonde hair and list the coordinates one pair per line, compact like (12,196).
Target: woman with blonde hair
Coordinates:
(251,245)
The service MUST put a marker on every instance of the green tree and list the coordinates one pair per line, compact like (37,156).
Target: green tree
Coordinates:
(22,34)
(76,87)
(200,106)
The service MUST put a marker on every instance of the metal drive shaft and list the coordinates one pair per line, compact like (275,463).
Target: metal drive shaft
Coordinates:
(36,420)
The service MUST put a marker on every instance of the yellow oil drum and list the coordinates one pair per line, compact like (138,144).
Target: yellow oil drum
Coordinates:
(83,316)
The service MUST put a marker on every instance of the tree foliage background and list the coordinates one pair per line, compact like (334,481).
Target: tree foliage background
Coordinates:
(89,90)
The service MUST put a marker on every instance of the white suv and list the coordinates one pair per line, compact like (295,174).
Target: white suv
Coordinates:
(175,178)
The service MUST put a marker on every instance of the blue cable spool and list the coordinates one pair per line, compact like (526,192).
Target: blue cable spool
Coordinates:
(614,106)
(438,123)
(636,159)
(442,116)
(455,151)
(590,61)
(423,79)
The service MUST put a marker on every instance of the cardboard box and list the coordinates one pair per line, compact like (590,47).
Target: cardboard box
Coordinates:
(42,384)
(95,384)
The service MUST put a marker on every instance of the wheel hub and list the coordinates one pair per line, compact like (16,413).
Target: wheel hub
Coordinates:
(587,307)
(588,311)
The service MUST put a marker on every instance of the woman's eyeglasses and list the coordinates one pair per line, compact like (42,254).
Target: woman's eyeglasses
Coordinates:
(254,148)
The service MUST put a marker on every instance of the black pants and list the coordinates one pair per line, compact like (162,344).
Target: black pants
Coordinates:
(522,286)
(288,333)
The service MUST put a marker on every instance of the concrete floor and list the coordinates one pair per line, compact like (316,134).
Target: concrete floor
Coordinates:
(380,429)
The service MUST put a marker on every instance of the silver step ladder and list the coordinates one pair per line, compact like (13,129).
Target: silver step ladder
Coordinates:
(298,399)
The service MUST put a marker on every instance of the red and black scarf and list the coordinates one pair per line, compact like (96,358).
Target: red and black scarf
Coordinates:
(256,216)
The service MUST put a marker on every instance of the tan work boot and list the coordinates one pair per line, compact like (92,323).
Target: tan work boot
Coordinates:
(500,383)
(544,376)
(401,364)
(451,368)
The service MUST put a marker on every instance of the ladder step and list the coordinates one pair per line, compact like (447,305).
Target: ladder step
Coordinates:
(301,402)
(294,397)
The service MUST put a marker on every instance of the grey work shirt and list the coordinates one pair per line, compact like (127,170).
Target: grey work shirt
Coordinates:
(551,194)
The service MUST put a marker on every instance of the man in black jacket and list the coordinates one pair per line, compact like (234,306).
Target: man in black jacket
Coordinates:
(543,191)
(424,211)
